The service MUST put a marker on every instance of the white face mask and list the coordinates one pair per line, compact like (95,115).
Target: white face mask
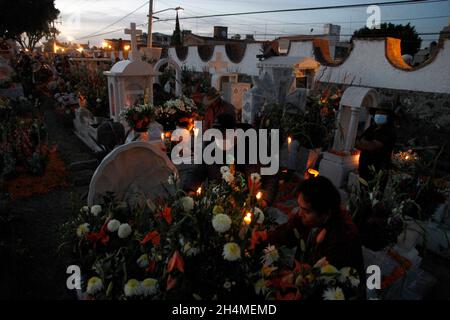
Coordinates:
(380,119)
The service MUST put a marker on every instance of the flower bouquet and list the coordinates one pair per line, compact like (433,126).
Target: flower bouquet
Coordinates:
(282,277)
(139,116)
(176,112)
(181,247)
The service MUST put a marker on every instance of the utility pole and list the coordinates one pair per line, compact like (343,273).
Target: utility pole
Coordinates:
(150,26)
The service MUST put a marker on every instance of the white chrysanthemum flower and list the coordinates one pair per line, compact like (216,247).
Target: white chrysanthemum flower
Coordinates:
(224,169)
(113,225)
(256,177)
(94,286)
(149,287)
(82,230)
(259,215)
(347,273)
(124,231)
(228,177)
(187,204)
(85,209)
(143,261)
(231,251)
(221,223)
(96,210)
(271,255)
(133,288)
(333,294)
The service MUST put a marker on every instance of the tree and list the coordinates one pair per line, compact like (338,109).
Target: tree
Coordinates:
(176,37)
(411,41)
(27,21)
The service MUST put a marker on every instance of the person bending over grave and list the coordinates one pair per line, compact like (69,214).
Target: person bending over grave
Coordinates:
(325,227)
(377,142)
(201,173)
(215,106)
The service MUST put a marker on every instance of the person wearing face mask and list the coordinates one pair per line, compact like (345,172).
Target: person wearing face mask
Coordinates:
(201,173)
(325,227)
(377,142)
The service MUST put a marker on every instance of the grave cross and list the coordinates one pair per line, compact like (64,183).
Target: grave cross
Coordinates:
(219,64)
(134,33)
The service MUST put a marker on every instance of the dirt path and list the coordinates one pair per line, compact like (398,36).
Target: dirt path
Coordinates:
(38,269)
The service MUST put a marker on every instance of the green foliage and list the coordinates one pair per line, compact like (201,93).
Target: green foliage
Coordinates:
(30,17)
(411,41)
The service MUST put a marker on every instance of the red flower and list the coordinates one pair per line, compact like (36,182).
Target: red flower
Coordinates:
(153,236)
(167,215)
(151,267)
(257,237)
(102,236)
(176,262)
(171,283)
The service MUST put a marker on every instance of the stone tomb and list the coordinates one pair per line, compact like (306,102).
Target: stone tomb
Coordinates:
(353,117)
(129,80)
(135,170)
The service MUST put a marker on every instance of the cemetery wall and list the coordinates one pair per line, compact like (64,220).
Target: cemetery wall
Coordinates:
(377,63)
(372,62)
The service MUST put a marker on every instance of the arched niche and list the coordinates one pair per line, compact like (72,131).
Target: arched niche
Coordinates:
(178,71)
(353,116)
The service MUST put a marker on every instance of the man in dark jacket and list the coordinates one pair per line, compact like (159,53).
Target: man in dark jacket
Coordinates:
(198,174)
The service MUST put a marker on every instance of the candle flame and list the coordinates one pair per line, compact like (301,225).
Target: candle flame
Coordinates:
(259,195)
(313,172)
(248,218)
(162,136)
(199,191)
(289,140)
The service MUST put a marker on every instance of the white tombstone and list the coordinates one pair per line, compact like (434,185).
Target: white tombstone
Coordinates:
(353,116)
(129,80)
(135,168)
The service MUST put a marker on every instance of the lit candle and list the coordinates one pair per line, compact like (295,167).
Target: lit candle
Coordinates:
(248,218)
(259,196)
(199,191)
(313,172)
(162,137)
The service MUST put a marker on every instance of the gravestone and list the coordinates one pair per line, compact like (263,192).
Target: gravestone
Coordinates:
(353,117)
(129,80)
(137,168)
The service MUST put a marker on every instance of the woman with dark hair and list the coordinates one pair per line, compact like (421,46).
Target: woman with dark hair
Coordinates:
(324,225)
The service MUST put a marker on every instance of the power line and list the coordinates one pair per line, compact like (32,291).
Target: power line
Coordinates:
(347,6)
(410,2)
(115,22)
